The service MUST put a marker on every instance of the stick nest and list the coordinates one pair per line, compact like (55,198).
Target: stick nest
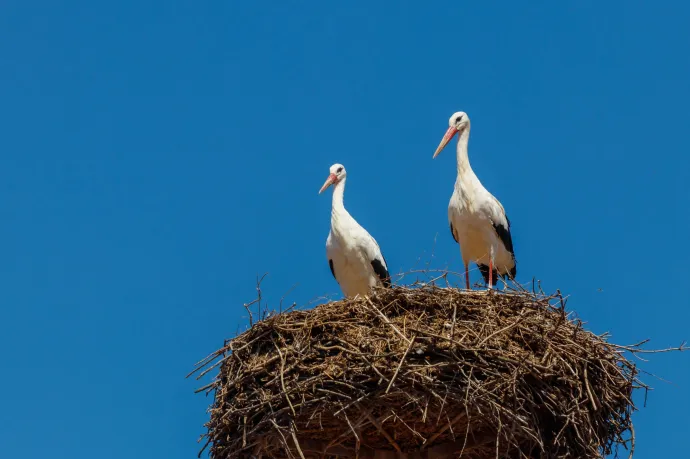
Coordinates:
(421,372)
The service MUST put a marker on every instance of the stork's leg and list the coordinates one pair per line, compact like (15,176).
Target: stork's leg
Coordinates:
(491,272)
(467,276)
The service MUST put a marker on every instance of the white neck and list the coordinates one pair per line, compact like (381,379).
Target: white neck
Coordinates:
(466,176)
(338,208)
(463,158)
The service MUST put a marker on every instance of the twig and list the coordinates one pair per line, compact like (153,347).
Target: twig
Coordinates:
(287,447)
(380,428)
(280,305)
(443,429)
(683,347)
(385,319)
(497,332)
(402,359)
(455,314)
(282,380)
(247,306)
(294,438)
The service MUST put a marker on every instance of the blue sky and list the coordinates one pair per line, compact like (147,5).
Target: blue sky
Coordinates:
(156,156)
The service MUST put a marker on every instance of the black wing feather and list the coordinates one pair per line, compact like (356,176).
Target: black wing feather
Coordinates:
(381,271)
(504,235)
(452,231)
(330,263)
(507,240)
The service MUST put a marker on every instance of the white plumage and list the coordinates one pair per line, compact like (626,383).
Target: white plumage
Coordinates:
(354,257)
(478,221)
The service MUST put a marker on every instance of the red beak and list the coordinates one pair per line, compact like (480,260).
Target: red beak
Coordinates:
(329,181)
(446,138)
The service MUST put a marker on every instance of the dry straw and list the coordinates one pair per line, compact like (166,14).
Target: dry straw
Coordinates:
(424,372)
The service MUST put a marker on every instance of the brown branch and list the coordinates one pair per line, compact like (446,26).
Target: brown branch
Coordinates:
(402,359)
(380,428)
(282,380)
(385,319)
(294,438)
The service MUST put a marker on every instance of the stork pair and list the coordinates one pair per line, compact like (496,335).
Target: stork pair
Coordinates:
(478,224)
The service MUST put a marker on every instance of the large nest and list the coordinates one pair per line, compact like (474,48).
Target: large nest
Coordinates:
(421,372)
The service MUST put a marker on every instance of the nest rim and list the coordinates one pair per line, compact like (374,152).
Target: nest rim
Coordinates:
(252,416)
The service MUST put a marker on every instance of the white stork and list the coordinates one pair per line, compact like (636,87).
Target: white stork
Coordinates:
(478,221)
(354,256)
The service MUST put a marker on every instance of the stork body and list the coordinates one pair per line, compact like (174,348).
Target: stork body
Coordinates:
(354,256)
(477,220)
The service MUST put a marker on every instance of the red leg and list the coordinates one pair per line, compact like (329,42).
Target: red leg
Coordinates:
(467,276)
(491,272)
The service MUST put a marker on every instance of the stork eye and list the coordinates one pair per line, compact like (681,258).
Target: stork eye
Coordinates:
(458,119)
(340,169)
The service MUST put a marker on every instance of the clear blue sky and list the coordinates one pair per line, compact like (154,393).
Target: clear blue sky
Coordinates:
(156,156)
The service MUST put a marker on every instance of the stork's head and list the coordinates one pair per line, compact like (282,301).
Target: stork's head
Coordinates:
(458,122)
(337,174)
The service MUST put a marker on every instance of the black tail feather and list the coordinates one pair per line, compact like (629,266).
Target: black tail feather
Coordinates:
(513,271)
(484,269)
(381,272)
